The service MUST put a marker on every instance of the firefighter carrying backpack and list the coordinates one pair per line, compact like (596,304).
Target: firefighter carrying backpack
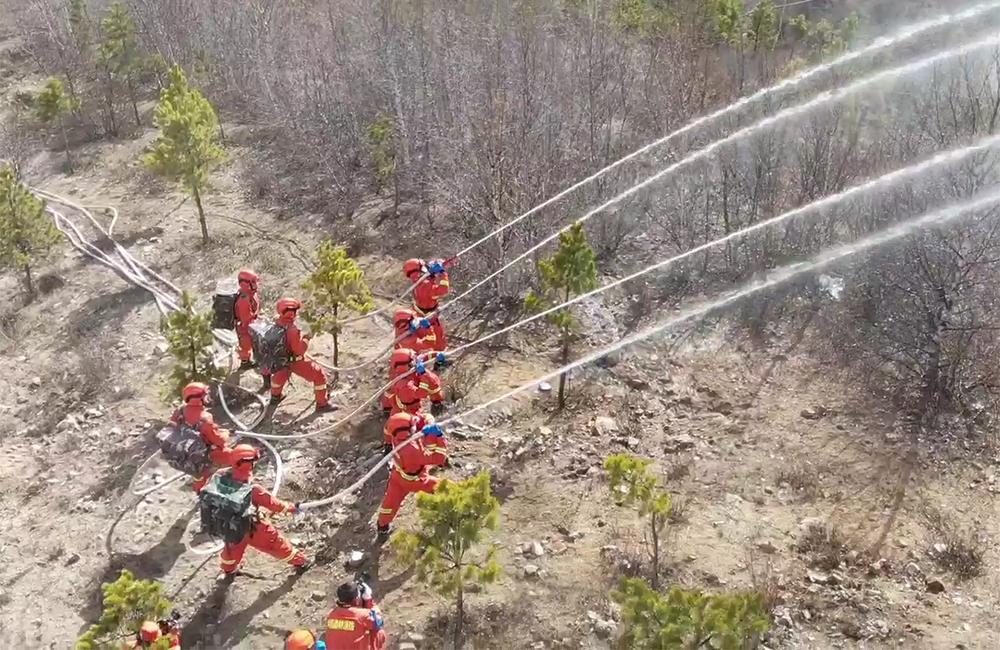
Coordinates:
(224,304)
(270,348)
(183,448)
(226,508)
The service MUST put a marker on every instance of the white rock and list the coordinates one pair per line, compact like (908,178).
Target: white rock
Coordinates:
(531,570)
(604,426)
(537,550)
(35,382)
(545,387)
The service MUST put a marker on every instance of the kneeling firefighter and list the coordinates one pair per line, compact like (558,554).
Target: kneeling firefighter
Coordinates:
(297,344)
(402,361)
(428,291)
(232,509)
(356,622)
(193,415)
(410,470)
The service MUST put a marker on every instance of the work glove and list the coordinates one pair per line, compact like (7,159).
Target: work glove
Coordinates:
(297,509)
(419,367)
(424,323)
(413,326)
(440,360)
(433,430)
(436,267)
(319,645)
(366,592)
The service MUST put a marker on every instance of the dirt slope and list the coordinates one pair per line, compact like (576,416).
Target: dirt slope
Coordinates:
(756,444)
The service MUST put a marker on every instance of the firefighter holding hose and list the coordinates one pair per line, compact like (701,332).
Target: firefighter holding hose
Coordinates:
(431,284)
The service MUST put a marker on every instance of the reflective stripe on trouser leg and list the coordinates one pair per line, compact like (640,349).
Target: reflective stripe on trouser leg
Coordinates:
(278,380)
(266,539)
(394,495)
(231,555)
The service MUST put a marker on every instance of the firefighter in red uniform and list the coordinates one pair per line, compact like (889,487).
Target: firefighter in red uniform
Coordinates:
(400,423)
(410,467)
(152,631)
(401,362)
(356,622)
(427,292)
(303,640)
(246,310)
(408,395)
(412,331)
(263,536)
(196,397)
(297,344)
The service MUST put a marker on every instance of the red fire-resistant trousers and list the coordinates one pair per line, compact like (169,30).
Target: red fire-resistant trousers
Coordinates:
(400,485)
(265,538)
(308,370)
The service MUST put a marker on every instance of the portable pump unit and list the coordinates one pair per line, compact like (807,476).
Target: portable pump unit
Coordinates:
(270,348)
(224,304)
(183,449)
(226,508)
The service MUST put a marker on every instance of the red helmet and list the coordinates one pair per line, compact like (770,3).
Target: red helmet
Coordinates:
(286,305)
(402,318)
(149,632)
(194,390)
(248,276)
(243,454)
(400,423)
(413,265)
(401,360)
(300,640)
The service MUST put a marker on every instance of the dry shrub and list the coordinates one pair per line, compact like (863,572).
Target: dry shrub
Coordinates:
(679,511)
(766,583)
(804,480)
(460,380)
(963,546)
(825,546)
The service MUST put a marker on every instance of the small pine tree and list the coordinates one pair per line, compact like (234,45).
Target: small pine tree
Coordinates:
(571,271)
(452,520)
(688,619)
(189,337)
(632,484)
(187,148)
(382,141)
(127,604)
(336,285)
(120,59)
(26,235)
(52,105)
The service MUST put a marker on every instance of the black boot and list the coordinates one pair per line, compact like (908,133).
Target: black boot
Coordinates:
(247,365)
(437,408)
(387,449)
(325,408)
(267,384)
(383,534)
(276,399)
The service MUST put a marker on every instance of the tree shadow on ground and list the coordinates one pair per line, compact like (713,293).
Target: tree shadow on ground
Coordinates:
(151,564)
(100,312)
(229,631)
